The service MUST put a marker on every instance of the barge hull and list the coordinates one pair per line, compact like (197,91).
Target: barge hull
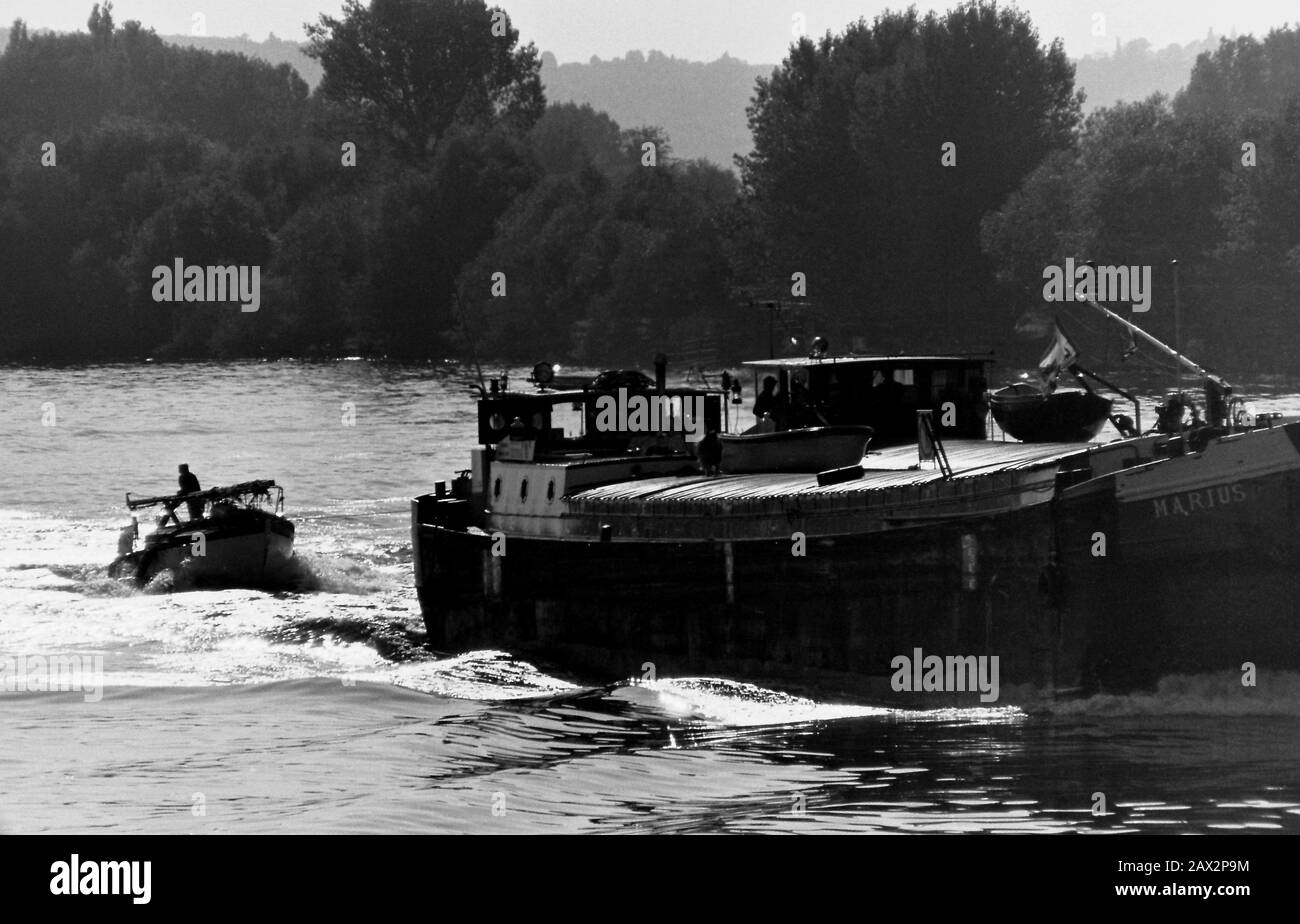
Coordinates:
(829,621)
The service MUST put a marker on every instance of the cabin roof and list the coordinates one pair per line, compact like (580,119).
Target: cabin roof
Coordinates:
(804,361)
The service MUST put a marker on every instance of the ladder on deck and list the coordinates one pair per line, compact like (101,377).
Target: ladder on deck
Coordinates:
(928,445)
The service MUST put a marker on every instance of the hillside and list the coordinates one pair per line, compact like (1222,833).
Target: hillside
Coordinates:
(1134,71)
(702,105)
(272,49)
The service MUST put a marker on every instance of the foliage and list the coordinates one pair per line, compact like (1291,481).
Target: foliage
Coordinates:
(1210,179)
(848,173)
(418,67)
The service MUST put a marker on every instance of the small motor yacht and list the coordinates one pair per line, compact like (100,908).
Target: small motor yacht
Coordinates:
(236,536)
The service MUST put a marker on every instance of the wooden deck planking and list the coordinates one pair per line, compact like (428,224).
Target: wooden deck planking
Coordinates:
(889,468)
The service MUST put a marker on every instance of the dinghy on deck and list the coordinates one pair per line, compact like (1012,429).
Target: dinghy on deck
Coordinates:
(810,449)
(1030,416)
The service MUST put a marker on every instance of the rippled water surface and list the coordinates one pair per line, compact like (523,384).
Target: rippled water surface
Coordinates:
(322,711)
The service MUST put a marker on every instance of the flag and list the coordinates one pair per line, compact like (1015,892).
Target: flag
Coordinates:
(1059,356)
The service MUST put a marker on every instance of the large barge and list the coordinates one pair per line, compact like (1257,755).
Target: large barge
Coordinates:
(1079,566)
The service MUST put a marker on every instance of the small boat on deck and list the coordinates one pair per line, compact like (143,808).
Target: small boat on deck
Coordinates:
(809,449)
(1038,413)
(238,539)
(1026,414)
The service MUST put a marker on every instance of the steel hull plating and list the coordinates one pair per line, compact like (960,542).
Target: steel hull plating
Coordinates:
(830,622)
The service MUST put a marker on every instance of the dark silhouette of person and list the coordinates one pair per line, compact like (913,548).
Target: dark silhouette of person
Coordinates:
(1216,402)
(1170,416)
(887,404)
(890,391)
(710,452)
(520,431)
(803,408)
(189,483)
(766,401)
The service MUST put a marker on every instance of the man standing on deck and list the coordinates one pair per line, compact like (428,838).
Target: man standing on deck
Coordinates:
(766,401)
(189,483)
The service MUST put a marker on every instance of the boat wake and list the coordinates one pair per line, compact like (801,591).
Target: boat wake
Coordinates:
(478,675)
(306,573)
(733,704)
(343,574)
(1276,693)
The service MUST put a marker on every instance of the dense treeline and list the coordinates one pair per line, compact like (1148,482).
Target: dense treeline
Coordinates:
(878,151)
(910,179)
(163,153)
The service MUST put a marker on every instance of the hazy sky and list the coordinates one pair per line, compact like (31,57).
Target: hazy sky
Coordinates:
(754,30)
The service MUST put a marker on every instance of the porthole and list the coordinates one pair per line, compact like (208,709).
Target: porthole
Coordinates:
(550,491)
(497,422)
(523,490)
(496,489)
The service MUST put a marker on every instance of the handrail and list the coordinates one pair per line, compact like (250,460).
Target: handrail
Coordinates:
(170,501)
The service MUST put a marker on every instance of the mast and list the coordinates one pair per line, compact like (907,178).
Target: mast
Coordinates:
(1178,330)
(1167,350)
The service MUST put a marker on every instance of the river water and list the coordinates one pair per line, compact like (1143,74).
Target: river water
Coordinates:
(320,710)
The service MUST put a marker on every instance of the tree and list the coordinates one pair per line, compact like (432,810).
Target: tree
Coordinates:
(431,223)
(418,67)
(1244,77)
(604,261)
(1142,187)
(100,23)
(212,223)
(569,137)
(848,171)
